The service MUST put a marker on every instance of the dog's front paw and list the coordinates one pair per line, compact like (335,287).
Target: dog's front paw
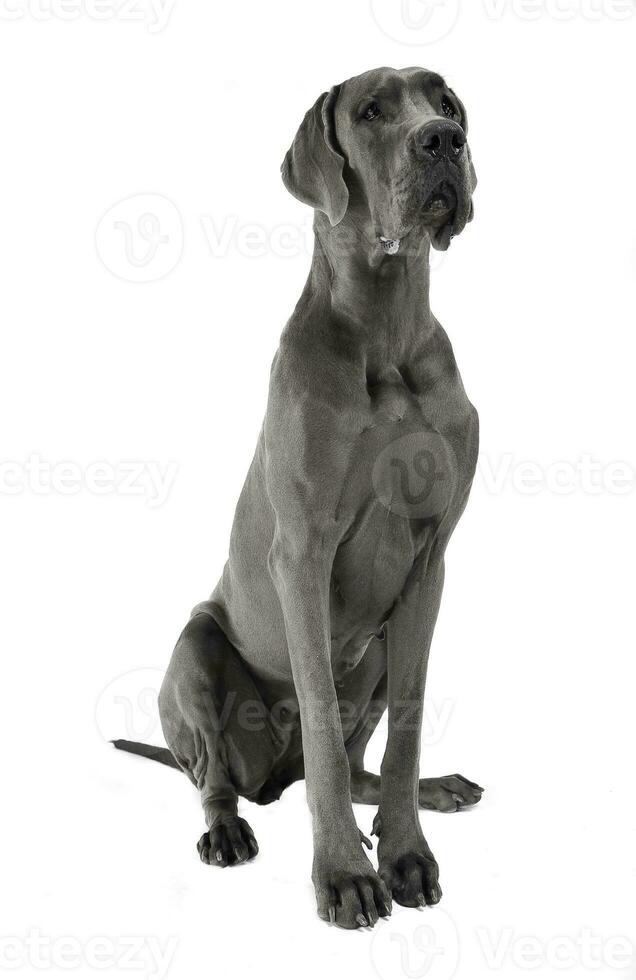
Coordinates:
(408,869)
(349,893)
(230,841)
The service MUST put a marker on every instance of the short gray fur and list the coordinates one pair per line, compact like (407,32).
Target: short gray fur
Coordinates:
(326,607)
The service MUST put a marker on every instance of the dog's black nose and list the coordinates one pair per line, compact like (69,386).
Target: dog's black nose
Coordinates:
(441,138)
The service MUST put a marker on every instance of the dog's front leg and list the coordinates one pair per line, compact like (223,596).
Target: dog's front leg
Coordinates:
(405,859)
(348,890)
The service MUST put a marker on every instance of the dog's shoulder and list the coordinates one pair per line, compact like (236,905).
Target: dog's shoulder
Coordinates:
(317,364)
(316,407)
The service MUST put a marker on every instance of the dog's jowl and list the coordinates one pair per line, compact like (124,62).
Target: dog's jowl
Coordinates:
(324,614)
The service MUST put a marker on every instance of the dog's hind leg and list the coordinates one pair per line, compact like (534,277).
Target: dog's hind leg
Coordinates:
(366,687)
(447,794)
(217,728)
(443,793)
(365,786)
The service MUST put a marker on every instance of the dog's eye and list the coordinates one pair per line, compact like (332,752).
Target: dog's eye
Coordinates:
(448,108)
(372,111)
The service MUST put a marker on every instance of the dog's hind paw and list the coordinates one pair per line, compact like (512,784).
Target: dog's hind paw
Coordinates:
(231,841)
(448,793)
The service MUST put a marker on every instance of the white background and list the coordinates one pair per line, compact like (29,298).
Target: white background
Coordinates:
(531,681)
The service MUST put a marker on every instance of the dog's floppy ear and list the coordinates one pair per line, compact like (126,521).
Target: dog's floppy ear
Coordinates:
(312,168)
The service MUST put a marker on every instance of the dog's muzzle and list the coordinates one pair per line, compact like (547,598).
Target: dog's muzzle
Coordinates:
(444,198)
(439,198)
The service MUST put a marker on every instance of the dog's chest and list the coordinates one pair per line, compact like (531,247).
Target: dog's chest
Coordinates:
(419,429)
(409,471)
(412,460)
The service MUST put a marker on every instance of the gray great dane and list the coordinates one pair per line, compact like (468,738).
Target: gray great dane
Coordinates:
(326,607)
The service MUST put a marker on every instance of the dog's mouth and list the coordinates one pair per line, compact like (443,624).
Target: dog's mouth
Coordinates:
(442,209)
(441,202)
(439,212)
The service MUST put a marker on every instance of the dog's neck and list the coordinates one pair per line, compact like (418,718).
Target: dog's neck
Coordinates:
(367,286)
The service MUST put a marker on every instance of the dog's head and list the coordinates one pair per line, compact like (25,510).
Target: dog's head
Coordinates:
(391,144)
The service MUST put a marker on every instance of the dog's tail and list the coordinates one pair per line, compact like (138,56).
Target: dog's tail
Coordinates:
(164,756)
